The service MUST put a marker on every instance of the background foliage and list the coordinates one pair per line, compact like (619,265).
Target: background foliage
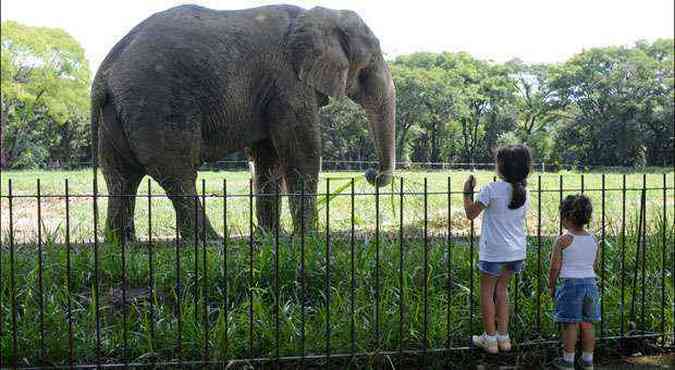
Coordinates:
(605,106)
(45,97)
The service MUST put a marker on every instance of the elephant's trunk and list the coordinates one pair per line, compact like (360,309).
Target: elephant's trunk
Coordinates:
(379,103)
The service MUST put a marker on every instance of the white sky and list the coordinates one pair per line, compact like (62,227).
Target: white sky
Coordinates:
(533,30)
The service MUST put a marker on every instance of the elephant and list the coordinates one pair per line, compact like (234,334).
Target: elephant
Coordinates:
(189,85)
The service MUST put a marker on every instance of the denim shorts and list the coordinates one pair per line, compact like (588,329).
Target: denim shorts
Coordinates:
(576,301)
(495,268)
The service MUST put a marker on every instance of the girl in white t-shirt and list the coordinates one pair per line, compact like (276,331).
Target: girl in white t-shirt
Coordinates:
(502,240)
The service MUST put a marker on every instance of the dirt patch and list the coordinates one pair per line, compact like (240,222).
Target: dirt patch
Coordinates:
(53,216)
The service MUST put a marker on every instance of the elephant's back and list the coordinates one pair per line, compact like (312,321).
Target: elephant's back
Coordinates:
(191,64)
(195,35)
(203,51)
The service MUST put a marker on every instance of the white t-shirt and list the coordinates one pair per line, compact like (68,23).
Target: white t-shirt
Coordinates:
(502,237)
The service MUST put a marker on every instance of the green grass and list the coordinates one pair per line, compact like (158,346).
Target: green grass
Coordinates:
(163,217)
(228,325)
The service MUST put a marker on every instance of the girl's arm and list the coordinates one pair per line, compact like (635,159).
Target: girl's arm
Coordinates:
(556,261)
(471,208)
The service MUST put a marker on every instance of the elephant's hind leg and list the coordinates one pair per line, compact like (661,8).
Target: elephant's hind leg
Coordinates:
(122,187)
(182,192)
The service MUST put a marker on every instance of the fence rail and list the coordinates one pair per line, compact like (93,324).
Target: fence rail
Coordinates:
(360,165)
(385,273)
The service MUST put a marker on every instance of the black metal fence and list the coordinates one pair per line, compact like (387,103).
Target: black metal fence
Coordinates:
(388,275)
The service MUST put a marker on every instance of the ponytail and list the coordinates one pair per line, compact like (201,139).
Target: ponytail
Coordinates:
(518,194)
(513,163)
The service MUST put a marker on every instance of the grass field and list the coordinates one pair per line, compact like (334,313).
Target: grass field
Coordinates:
(220,283)
(163,218)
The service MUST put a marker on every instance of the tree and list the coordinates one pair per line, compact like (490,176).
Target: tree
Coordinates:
(344,131)
(486,101)
(619,98)
(44,96)
(411,106)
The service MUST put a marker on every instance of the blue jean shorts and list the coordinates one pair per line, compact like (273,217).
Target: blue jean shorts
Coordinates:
(576,301)
(496,268)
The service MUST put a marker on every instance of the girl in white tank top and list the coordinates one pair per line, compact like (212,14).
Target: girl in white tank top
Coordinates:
(578,258)
(576,292)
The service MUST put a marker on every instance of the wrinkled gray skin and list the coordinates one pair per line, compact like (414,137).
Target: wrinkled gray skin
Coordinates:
(191,84)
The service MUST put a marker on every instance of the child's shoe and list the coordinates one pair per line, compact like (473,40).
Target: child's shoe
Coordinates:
(586,365)
(504,343)
(560,363)
(486,342)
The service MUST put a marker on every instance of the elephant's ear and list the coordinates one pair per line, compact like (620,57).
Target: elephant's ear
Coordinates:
(317,53)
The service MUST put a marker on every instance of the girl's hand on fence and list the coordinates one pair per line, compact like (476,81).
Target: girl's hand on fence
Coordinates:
(469,185)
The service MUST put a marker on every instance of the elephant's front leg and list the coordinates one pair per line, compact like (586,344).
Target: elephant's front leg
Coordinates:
(302,184)
(299,147)
(268,179)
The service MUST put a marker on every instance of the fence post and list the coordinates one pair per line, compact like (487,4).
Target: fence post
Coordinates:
(125,339)
(250,266)
(96,270)
(12,283)
(303,285)
(327,286)
(40,277)
(277,328)
(602,263)
(205,277)
(195,256)
(644,249)
(425,337)
(151,269)
(400,273)
(71,350)
(226,239)
(353,273)
(623,254)
(471,253)
(539,267)
(377,268)
(449,246)
(179,320)
(663,263)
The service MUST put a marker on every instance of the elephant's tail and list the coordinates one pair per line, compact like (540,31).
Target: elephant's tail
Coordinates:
(98,98)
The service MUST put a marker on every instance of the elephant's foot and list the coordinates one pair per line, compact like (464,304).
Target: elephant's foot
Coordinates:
(118,236)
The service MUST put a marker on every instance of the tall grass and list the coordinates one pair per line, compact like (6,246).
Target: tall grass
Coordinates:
(228,326)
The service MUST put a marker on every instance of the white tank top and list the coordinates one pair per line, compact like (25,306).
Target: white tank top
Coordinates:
(578,258)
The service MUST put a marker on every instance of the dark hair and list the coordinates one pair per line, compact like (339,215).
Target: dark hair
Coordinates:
(513,163)
(576,209)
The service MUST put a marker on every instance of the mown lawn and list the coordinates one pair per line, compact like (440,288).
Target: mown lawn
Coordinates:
(52,185)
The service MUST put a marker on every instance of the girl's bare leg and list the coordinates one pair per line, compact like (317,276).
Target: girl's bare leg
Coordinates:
(587,337)
(569,337)
(487,303)
(502,302)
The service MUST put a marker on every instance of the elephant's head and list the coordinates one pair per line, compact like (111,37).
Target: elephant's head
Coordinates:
(335,52)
